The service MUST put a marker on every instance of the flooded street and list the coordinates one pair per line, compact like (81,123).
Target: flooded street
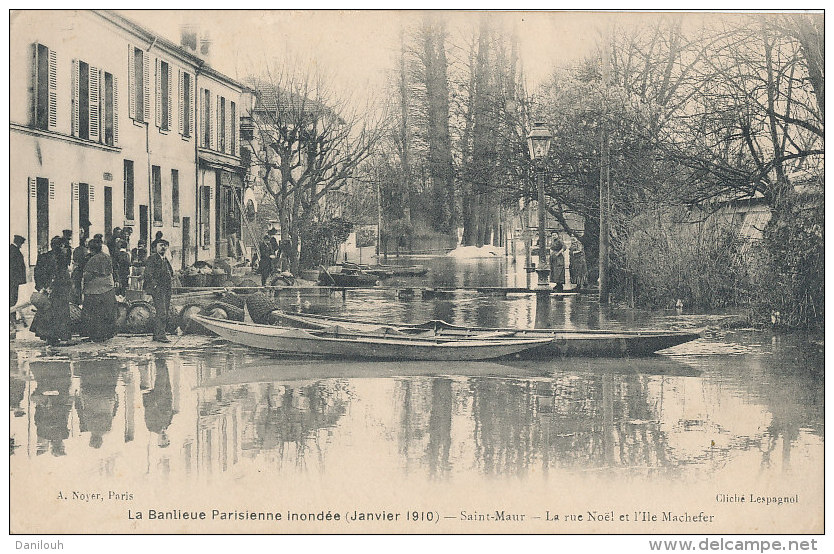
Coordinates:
(723,434)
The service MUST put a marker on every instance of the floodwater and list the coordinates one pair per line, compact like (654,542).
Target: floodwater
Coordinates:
(723,434)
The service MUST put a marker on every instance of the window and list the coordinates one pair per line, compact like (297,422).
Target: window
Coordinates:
(186,120)
(129,211)
(45,84)
(94,104)
(163,95)
(42,211)
(83,115)
(221,102)
(85,193)
(156,177)
(206,118)
(175,195)
(138,84)
(110,110)
(108,212)
(205,216)
(233,127)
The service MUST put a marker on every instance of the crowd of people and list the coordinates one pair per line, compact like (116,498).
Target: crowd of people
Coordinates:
(92,275)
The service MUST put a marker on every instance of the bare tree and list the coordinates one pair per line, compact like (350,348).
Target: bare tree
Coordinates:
(307,143)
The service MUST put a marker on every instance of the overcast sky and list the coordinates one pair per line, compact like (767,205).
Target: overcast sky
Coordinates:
(356,48)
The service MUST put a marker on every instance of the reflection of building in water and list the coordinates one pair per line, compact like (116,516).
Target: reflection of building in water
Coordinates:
(110,419)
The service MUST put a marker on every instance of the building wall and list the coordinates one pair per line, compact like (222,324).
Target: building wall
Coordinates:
(55,154)
(219,155)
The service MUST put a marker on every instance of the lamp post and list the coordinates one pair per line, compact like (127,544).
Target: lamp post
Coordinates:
(538,144)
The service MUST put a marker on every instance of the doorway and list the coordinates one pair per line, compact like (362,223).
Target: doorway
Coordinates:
(84,206)
(108,211)
(186,241)
(42,214)
(143,225)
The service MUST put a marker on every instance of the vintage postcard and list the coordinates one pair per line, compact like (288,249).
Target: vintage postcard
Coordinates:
(416,272)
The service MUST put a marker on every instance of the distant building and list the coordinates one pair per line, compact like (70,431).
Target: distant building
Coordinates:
(112,125)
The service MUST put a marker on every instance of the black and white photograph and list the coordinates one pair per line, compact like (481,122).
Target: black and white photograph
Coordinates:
(395,272)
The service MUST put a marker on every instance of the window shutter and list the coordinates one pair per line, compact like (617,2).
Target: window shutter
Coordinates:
(235,132)
(75,96)
(229,128)
(170,123)
(33,84)
(74,209)
(158,88)
(115,111)
(53,90)
(202,118)
(180,102)
(190,114)
(146,69)
(131,83)
(215,132)
(92,190)
(94,103)
(51,189)
(32,239)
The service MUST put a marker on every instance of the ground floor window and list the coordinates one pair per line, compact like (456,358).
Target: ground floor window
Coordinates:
(205,216)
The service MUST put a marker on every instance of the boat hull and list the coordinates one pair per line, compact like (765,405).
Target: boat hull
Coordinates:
(300,342)
(561,342)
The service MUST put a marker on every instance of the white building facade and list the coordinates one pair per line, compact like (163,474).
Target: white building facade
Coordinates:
(107,130)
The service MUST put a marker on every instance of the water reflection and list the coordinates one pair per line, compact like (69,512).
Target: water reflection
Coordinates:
(96,402)
(53,404)
(225,412)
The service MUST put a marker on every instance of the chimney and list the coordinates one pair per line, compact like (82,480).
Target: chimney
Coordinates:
(205,47)
(188,38)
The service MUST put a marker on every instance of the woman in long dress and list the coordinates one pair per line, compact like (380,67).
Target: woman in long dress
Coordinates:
(557,262)
(98,313)
(52,322)
(578,265)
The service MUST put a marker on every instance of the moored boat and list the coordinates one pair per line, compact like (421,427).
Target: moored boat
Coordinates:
(335,342)
(561,342)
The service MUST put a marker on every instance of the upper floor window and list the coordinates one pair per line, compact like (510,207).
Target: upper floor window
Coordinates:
(138,84)
(186,112)
(206,119)
(95,114)
(163,95)
(44,88)
(221,127)
(233,126)
(110,109)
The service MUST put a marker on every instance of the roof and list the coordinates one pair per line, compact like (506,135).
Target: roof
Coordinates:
(164,43)
(270,97)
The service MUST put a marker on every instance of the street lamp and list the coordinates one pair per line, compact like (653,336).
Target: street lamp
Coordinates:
(538,144)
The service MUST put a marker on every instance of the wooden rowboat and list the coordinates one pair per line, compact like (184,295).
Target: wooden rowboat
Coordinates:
(354,345)
(561,342)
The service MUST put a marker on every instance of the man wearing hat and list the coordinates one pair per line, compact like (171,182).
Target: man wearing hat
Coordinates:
(17,273)
(158,282)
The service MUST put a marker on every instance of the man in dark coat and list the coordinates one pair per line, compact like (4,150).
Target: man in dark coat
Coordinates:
(158,282)
(265,252)
(157,237)
(79,259)
(17,273)
(113,241)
